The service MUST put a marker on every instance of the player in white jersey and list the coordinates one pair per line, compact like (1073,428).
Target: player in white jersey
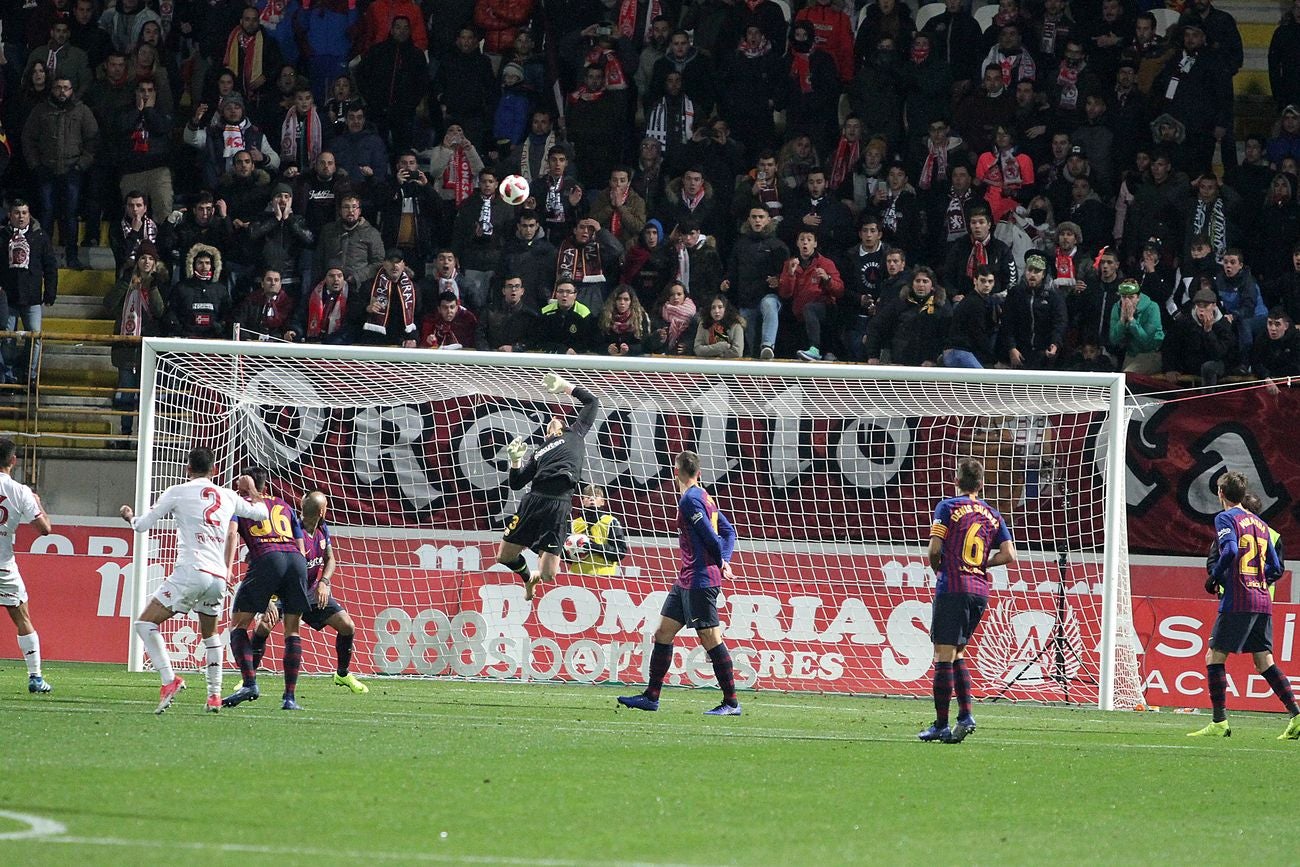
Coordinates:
(202,512)
(19,505)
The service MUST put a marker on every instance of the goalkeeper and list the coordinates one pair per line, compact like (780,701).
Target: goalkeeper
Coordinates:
(542,522)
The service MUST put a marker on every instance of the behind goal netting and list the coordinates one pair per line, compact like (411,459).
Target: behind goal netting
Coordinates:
(829,472)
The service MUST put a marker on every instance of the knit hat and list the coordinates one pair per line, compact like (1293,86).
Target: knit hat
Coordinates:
(512,69)
(281,187)
(1129,287)
(1067,226)
(232,97)
(147,248)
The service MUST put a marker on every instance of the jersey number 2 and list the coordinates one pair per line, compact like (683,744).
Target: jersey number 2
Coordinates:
(213,496)
(1250,555)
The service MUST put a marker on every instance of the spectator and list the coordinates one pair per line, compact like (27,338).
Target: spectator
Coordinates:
(1286,287)
(1278,227)
(465,87)
(202,223)
(978,247)
(1136,333)
(1158,205)
(948,214)
(388,77)
(390,316)
(597,117)
(253,53)
(141,141)
(449,326)
(110,97)
(500,20)
(1106,39)
(798,156)
(973,329)
(1200,264)
(135,303)
(1013,61)
(1151,51)
(1050,33)
(619,209)
(1284,58)
(510,324)
(284,240)
(350,241)
(1240,299)
(1005,173)
(910,327)
(956,39)
(63,59)
(530,257)
(812,88)
(557,197)
(230,132)
(59,143)
(589,259)
(673,323)
(267,314)
(699,268)
(980,113)
(1201,343)
(30,278)
(566,326)
(513,110)
(816,210)
(1096,137)
(623,325)
(884,19)
(481,226)
(671,120)
(1287,141)
(316,191)
(753,78)
(453,165)
(692,197)
(648,176)
(695,69)
(833,32)
(135,228)
(1214,213)
(900,210)
(1034,319)
(1094,218)
(381,15)
(329,312)
(721,157)
(1196,89)
(325,26)
(125,20)
(343,96)
(933,159)
(721,333)
(812,283)
(301,131)
(411,216)
(656,46)
(1221,33)
(1278,355)
(528,158)
(877,91)
(361,153)
(446,276)
(766,15)
(88,35)
(200,303)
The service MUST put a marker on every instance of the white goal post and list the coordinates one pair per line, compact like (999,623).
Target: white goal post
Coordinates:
(830,473)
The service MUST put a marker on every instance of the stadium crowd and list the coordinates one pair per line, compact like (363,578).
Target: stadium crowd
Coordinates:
(707,178)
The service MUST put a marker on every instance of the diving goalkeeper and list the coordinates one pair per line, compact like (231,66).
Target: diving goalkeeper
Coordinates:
(555,469)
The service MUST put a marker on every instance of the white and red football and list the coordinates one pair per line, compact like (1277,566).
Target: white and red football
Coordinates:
(514,190)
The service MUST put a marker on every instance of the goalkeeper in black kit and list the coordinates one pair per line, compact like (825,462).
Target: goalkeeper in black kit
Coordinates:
(555,469)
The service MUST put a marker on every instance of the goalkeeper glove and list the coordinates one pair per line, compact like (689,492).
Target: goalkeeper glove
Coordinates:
(555,383)
(516,450)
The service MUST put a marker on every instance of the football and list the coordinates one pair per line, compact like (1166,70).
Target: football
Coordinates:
(514,190)
(575,547)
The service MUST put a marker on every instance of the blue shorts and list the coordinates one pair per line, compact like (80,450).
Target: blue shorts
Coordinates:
(696,607)
(276,573)
(1242,632)
(956,617)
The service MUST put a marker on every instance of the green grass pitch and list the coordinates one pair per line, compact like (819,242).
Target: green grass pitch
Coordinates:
(490,773)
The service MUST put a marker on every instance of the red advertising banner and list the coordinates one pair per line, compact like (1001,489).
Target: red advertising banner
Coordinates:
(1178,449)
(862,633)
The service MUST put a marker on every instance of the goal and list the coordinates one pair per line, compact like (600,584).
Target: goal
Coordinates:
(829,472)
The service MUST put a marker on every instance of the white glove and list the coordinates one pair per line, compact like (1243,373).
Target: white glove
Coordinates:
(516,450)
(555,383)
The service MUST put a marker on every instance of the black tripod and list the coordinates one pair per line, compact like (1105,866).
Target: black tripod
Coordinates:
(1059,646)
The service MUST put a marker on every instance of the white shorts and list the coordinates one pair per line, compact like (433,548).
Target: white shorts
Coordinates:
(13,592)
(188,589)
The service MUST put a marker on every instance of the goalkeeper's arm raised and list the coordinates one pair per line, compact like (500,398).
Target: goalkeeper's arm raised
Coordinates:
(520,473)
(557,384)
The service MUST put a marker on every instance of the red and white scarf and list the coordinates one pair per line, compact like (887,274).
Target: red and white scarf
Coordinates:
(20,250)
(325,310)
(693,202)
(133,238)
(291,129)
(273,13)
(615,79)
(678,317)
(458,177)
(627,19)
(752,51)
(936,164)
(801,69)
(979,255)
(1064,265)
(1006,171)
(847,154)
(381,301)
(585,94)
(1067,79)
(132,322)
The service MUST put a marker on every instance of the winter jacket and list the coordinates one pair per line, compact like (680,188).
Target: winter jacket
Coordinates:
(754,258)
(1033,320)
(1143,333)
(1188,345)
(973,329)
(199,308)
(151,319)
(911,329)
(500,325)
(282,241)
(426,213)
(714,341)
(500,20)
(1240,297)
(799,284)
(1273,358)
(141,140)
(38,283)
(209,142)
(58,139)
(632,215)
(352,150)
(359,250)
(481,252)
(558,330)
(263,318)
(533,262)
(378,23)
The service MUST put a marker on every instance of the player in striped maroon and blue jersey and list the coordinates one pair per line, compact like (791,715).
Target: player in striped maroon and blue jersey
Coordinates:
(277,568)
(706,539)
(964,532)
(1246,568)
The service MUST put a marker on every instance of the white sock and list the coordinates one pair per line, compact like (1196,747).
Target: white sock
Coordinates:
(213,672)
(157,651)
(30,645)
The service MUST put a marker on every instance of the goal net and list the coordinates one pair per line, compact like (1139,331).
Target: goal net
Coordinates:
(830,474)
